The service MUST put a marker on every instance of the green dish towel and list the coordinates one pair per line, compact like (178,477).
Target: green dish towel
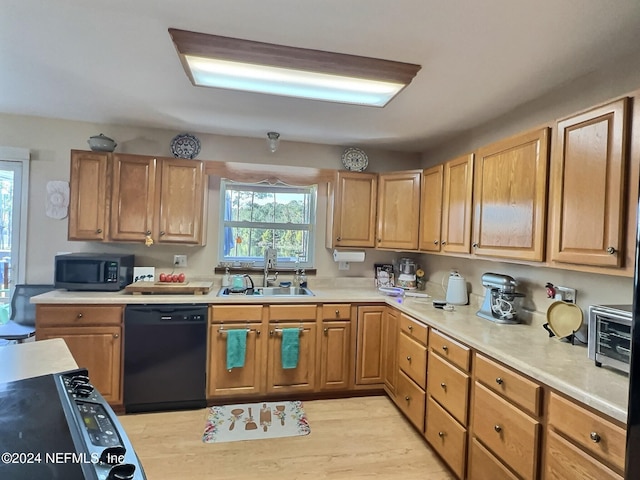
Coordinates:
(290,347)
(236,348)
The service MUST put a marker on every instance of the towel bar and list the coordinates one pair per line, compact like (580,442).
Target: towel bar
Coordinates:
(221,330)
(279,330)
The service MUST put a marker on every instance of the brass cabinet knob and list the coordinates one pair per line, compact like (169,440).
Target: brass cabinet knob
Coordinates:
(445,348)
(379,240)
(441,434)
(407,398)
(443,385)
(475,245)
(162,233)
(611,250)
(409,358)
(410,327)
(499,381)
(444,242)
(337,313)
(595,437)
(257,332)
(338,239)
(148,232)
(497,428)
(326,331)
(99,230)
(80,315)
(115,335)
(435,242)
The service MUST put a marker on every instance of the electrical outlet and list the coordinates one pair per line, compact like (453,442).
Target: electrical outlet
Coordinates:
(180,261)
(566,294)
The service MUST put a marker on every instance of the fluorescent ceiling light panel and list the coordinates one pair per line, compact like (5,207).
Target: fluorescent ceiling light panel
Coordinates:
(230,63)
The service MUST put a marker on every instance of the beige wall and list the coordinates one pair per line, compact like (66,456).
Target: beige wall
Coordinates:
(616,80)
(50,141)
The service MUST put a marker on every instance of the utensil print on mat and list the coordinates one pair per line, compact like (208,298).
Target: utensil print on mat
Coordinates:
(279,412)
(250,425)
(236,413)
(265,417)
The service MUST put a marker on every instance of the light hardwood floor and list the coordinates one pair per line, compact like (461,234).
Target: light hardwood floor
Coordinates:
(352,438)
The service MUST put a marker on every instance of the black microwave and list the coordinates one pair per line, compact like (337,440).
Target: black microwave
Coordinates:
(93,271)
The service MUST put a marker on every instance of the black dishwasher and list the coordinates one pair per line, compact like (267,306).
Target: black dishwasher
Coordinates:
(165,357)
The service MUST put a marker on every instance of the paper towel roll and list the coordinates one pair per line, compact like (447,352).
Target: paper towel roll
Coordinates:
(348,256)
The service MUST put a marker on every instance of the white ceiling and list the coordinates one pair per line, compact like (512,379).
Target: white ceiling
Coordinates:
(113,61)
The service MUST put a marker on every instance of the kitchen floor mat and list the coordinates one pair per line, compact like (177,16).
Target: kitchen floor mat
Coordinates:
(253,421)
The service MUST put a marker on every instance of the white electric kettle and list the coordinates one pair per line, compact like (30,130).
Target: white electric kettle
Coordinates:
(457,290)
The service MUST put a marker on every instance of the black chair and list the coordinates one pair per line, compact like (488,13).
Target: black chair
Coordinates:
(22,324)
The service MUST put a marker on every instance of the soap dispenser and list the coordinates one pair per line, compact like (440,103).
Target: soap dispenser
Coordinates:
(226,278)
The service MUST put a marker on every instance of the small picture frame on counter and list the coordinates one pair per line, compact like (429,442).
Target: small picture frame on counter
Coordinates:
(384,276)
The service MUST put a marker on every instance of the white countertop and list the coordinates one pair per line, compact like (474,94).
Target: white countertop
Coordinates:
(32,359)
(525,347)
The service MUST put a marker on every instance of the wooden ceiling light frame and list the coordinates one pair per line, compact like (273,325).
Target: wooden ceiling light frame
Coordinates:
(193,44)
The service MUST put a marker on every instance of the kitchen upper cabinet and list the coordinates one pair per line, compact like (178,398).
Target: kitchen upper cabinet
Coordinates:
(509,198)
(588,187)
(456,204)
(431,209)
(134,194)
(352,199)
(181,201)
(136,198)
(89,196)
(399,210)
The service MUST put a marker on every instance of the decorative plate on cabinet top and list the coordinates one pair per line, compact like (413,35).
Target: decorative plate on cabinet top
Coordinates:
(185,145)
(355,159)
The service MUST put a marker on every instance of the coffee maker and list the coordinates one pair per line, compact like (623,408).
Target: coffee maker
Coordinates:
(500,298)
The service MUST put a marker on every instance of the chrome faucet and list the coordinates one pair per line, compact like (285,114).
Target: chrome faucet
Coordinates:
(270,261)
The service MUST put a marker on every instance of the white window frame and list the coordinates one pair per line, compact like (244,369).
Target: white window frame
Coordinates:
(283,262)
(22,156)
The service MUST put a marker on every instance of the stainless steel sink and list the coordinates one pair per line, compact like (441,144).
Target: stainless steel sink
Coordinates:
(269,292)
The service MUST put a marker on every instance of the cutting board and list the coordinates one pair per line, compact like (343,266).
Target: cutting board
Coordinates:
(186,288)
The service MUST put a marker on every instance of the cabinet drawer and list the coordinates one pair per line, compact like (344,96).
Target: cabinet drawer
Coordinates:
(418,331)
(565,461)
(236,313)
(513,386)
(506,430)
(453,351)
(599,436)
(52,316)
(412,359)
(484,466)
(410,399)
(449,386)
(446,436)
(336,311)
(292,312)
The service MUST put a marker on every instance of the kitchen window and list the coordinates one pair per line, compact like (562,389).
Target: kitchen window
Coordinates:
(255,216)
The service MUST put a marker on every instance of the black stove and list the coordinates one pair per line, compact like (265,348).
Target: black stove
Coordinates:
(59,427)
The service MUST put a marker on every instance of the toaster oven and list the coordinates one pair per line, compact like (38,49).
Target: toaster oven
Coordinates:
(610,335)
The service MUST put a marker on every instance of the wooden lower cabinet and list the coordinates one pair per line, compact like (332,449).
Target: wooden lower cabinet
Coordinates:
(389,349)
(93,334)
(335,355)
(507,431)
(565,461)
(245,380)
(450,387)
(369,357)
(299,379)
(484,466)
(99,350)
(410,398)
(446,436)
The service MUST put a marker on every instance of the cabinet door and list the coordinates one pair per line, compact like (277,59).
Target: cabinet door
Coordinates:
(335,355)
(389,348)
(181,201)
(509,198)
(132,209)
(399,210)
(241,380)
(588,175)
(431,209)
(369,346)
(99,350)
(88,196)
(299,379)
(353,203)
(456,205)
